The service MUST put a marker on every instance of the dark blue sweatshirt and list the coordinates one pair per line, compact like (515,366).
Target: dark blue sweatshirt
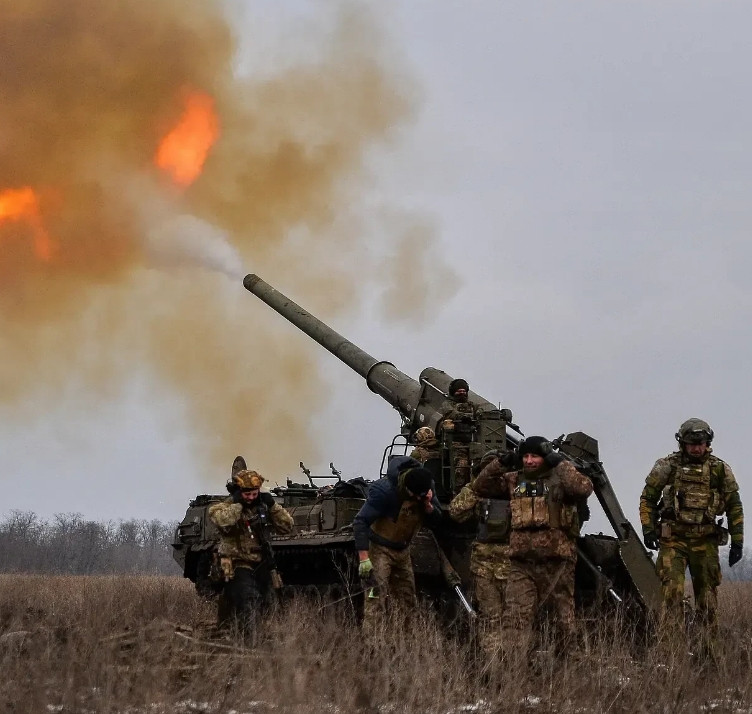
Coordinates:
(385,501)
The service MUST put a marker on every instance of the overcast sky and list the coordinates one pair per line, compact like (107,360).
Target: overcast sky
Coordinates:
(587,169)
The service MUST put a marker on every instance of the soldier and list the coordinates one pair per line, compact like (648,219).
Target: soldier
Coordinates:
(396,508)
(542,543)
(426,445)
(489,558)
(241,519)
(458,421)
(684,494)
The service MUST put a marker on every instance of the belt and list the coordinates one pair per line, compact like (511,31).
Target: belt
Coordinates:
(698,530)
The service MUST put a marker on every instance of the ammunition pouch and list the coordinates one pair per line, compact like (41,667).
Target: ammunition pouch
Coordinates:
(493,521)
(221,569)
(537,504)
(723,535)
(692,497)
(670,529)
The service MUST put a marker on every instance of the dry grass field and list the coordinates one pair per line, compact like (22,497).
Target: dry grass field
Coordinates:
(138,644)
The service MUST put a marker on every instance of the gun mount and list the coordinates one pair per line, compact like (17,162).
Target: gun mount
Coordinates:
(622,559)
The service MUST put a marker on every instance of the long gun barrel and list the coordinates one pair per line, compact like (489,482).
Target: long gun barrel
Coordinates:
(382,377)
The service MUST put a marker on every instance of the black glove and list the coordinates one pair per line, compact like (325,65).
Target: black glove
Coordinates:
(735,554)
(651,540)
(508,459)
(237,496)
(267,499)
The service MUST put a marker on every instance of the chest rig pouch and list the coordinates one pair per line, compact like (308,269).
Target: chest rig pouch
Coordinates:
(399,532)
(530,505)
(693,496)
(493,520)
(537,504)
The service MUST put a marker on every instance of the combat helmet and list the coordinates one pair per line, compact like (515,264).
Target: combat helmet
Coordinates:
(424,434)
(247,479)
(694,431)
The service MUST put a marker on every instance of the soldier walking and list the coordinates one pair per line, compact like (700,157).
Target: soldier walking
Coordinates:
(544,496)
(486,499)
(396,508)
(684,494)
(242,520)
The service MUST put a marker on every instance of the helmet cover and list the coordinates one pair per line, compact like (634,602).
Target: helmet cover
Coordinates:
(247,480)
(694,431)
(425,433)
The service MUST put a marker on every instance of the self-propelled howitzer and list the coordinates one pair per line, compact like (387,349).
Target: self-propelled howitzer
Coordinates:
(419,402)
(623,560)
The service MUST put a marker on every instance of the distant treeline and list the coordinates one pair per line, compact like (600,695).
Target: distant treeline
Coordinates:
(72,545)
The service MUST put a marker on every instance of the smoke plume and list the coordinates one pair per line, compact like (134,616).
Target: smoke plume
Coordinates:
(102,236)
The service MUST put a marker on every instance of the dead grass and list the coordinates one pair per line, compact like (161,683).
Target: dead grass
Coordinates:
(136,644)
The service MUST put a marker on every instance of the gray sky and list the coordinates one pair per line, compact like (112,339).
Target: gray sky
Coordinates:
(587,169)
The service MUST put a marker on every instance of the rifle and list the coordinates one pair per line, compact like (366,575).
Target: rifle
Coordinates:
(262,533)
(452,578)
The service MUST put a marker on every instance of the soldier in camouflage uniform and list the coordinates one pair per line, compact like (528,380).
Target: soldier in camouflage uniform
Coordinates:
(459,420)
(426,445)
(542,544)
(684,494)
(489,558)
(396,508)
(241,519)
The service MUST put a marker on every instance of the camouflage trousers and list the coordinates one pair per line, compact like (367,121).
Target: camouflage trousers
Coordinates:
(461,464)
(393,586)
(533,587)
(700,555)
(489,564)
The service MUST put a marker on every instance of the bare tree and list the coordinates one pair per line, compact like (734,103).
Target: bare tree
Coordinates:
(73,545)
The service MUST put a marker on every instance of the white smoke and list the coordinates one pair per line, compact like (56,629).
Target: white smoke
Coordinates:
(185,241)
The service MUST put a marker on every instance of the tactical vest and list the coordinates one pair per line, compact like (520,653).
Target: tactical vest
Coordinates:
(493,521)
(692,495)
(536,504)
(397,534)
(463,416)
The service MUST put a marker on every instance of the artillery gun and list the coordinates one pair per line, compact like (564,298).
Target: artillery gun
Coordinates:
(618,564)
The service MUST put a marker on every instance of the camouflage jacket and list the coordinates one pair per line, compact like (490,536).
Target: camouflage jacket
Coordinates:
(238,526)
(458,411)
(490,482)
(427,450)
(545,526)
(691,495)
(464,505)
(461,415)
(487,560)
(490,560)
